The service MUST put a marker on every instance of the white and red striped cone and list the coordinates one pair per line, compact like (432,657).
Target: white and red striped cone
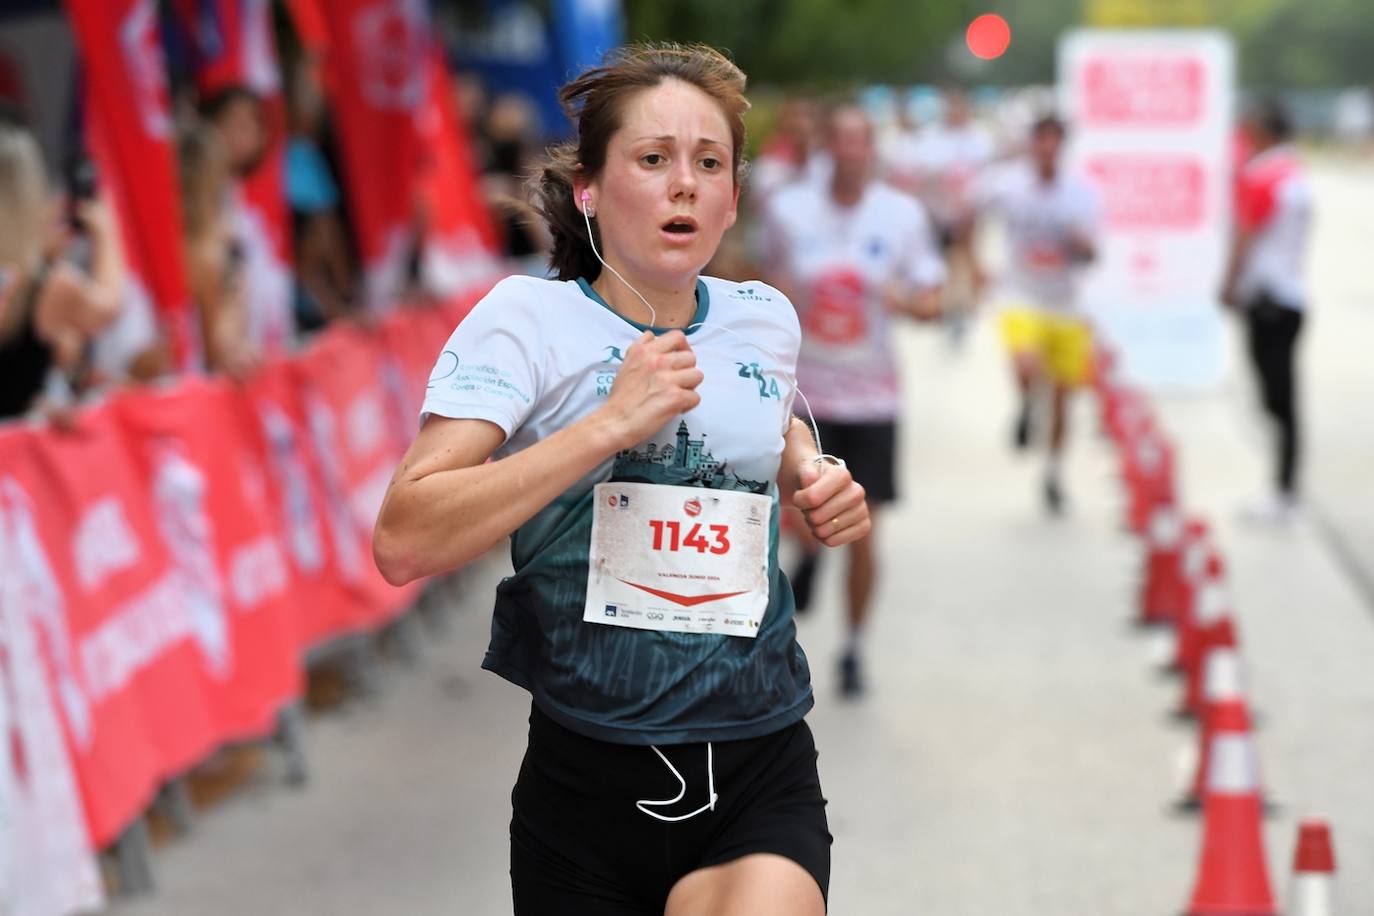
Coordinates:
(1196,555)
(1233,877)
(1314,871)
(1162,589)
(1212,627)
(1223,707)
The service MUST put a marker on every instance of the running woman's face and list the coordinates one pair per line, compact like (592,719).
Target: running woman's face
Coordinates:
(667,191)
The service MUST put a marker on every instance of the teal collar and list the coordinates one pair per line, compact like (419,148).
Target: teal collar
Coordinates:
(703,306)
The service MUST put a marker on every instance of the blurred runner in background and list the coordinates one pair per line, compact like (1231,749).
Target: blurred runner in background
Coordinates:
(850,252)
(1051,220)
(939,165)
(1264,280)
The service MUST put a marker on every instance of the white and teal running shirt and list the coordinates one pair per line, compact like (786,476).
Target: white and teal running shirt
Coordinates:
(840,259)
(537,355)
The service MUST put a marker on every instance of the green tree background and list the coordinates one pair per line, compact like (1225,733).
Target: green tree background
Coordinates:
(1288,44)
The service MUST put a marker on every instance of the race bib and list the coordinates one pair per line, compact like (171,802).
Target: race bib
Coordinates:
(678,559)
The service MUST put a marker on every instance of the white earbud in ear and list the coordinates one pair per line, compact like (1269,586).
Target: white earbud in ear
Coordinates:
(587,207)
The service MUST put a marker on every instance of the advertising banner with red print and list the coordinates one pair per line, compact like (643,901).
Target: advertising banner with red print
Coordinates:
(46,861)
(377,85)
(1150,119)
(130,125)
(193,450)
(321,543)
(106,605)
(347,408)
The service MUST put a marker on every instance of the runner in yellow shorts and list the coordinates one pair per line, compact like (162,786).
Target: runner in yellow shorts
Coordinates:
(1061,344)
(1051,220)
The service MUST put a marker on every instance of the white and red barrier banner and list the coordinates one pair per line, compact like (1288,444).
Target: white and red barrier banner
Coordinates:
(130,125)
(166,563)
(1150,120)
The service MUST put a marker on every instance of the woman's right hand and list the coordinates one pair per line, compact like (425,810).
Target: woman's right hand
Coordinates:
(656,382)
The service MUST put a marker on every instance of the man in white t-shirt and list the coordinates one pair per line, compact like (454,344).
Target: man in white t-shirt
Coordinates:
(850,253)
(1051,219)
(1265,282)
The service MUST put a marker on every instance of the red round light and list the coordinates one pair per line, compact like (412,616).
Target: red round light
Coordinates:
(988,36)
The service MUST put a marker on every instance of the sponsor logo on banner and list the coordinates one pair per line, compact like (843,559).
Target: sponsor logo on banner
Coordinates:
(104,543)
(140,41)
(692,507)
(27,581)
(390,38)
(1155,91)
(610,610)
(347,546)
(179,504)
(301,523)
(1151,191)
(37,780)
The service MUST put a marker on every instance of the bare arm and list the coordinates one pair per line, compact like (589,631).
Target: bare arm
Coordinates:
(446,505)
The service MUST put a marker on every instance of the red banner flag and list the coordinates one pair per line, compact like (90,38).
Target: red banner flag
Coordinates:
(460,240)
(194,450)
(131,133)
(377,82)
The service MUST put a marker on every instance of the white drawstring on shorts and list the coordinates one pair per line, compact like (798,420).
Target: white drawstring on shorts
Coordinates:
(644,804)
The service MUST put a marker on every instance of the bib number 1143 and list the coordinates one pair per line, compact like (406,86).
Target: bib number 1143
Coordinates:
(668,535)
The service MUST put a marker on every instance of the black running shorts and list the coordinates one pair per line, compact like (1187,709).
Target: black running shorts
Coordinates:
(869,451)
(581,847)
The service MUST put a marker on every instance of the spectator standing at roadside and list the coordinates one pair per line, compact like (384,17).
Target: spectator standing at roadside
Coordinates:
(1264,282)
(50,309)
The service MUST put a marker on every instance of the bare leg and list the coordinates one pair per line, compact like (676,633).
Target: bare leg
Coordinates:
(756,885)
(1059,424)
(863,575)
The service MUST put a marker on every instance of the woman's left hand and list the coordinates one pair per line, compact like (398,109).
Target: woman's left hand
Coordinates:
(832,503)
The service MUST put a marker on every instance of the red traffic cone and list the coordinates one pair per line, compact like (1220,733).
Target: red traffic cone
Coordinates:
(1211,626)
(1233,879)
(1223,689)
(1314,871)
(1162,592)
(1193,563)
(1150,479)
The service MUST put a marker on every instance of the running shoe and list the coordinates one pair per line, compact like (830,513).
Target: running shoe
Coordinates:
(1054,496)
(851,677)
(1275,509)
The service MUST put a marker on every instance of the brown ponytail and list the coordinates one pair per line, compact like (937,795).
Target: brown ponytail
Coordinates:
(594,103)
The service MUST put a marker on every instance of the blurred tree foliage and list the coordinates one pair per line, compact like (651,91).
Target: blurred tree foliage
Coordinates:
(834,43)
(818,43)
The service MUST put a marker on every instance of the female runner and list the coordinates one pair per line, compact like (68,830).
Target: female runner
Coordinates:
(640,418)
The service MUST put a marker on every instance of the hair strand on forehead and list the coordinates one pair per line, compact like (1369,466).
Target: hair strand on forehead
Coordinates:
(595,102)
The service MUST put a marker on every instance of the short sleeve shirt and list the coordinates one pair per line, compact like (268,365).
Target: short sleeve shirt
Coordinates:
(840,259)
(1041,218)
(535,356)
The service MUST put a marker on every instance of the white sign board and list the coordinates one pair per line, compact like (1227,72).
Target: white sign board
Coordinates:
(1150,121)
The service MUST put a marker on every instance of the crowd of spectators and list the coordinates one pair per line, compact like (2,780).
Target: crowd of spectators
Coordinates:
(74,320)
